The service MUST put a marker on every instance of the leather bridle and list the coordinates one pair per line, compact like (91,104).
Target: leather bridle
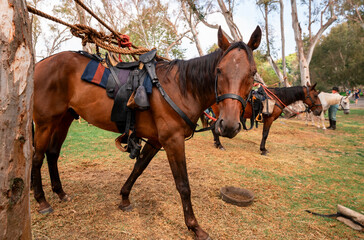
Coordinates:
(341,105)
(313,104)
(229,96)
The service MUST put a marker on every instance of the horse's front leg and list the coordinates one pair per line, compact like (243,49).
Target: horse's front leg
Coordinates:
(322,120)
(266,127)
(149,150)
(217,142)
(175,149)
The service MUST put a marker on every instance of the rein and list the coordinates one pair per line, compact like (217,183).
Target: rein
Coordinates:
(279,100)
(313,104)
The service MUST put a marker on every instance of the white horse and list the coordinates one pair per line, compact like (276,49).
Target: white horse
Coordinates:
(328,99)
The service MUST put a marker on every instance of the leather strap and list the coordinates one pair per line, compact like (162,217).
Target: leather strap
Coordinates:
(174,106)
(115,77)
(232,96)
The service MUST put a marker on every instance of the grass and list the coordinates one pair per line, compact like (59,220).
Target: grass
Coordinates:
(306,168)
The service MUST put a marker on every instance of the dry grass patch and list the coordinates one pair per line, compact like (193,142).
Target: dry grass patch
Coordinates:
(306,168)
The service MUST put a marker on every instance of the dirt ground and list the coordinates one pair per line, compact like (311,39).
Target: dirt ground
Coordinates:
(293,177)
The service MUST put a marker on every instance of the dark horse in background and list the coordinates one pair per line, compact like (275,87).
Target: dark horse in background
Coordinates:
(193,86)
(287,96)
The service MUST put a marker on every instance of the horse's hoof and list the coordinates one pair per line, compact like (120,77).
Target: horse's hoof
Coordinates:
(66,198)
(220,147)
(264,153)
(46,210)
(128,208)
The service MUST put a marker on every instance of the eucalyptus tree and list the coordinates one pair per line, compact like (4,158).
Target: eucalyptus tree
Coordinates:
(339,57)
(16,150)
(321,13)
(266,6)
(149,23)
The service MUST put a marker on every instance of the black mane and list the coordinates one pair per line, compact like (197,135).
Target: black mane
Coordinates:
(198,74)
(289,95)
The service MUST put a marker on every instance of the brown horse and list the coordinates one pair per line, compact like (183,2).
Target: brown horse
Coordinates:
(193,85)
(287,96)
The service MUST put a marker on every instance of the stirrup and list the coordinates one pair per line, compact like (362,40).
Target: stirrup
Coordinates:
(259,118)
(121,139)
(132,144)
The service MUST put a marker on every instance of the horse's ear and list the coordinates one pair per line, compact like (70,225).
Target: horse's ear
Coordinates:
(223,42)
(255,38)
(313,86)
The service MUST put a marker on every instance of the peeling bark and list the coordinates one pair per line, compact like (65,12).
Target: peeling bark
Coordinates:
(16,88)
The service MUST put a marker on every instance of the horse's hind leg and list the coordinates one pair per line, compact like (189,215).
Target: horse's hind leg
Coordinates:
(141,163)
(52,153)
(42,137)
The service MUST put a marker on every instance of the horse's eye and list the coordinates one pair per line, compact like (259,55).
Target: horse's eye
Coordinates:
(218,70)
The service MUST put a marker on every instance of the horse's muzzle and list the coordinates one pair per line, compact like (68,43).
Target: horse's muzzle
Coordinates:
(226,128)
(317,112)
(346,111)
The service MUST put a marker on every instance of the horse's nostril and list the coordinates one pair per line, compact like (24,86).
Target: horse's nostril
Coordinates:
(239,127)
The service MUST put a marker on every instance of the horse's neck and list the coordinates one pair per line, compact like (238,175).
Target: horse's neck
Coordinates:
(287,98)
(198,75)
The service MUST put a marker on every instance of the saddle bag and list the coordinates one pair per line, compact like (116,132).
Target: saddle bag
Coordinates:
(268,106)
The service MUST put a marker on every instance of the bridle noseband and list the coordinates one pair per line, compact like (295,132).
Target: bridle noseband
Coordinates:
(228,95)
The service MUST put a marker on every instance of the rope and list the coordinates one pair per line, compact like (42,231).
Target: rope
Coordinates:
(122,39)
(90,35)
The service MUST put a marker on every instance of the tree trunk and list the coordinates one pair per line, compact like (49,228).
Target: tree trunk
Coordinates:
(189,19)
(269,57)
(228,15)
(16,88)
(304,70)
(304,60)
(281,12)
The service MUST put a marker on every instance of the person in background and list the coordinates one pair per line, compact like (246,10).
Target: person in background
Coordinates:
(356,96)
(332,111)
(348,92)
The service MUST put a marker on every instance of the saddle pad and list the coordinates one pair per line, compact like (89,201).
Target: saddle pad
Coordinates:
(96,73)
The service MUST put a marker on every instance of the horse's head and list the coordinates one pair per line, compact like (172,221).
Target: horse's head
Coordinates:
(312,99)
(345,104)
(234,80)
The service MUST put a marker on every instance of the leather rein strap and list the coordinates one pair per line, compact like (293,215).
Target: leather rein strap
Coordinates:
(173,105)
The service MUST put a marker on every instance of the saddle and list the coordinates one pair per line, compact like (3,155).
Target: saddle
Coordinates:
(129,84)
(261,105)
